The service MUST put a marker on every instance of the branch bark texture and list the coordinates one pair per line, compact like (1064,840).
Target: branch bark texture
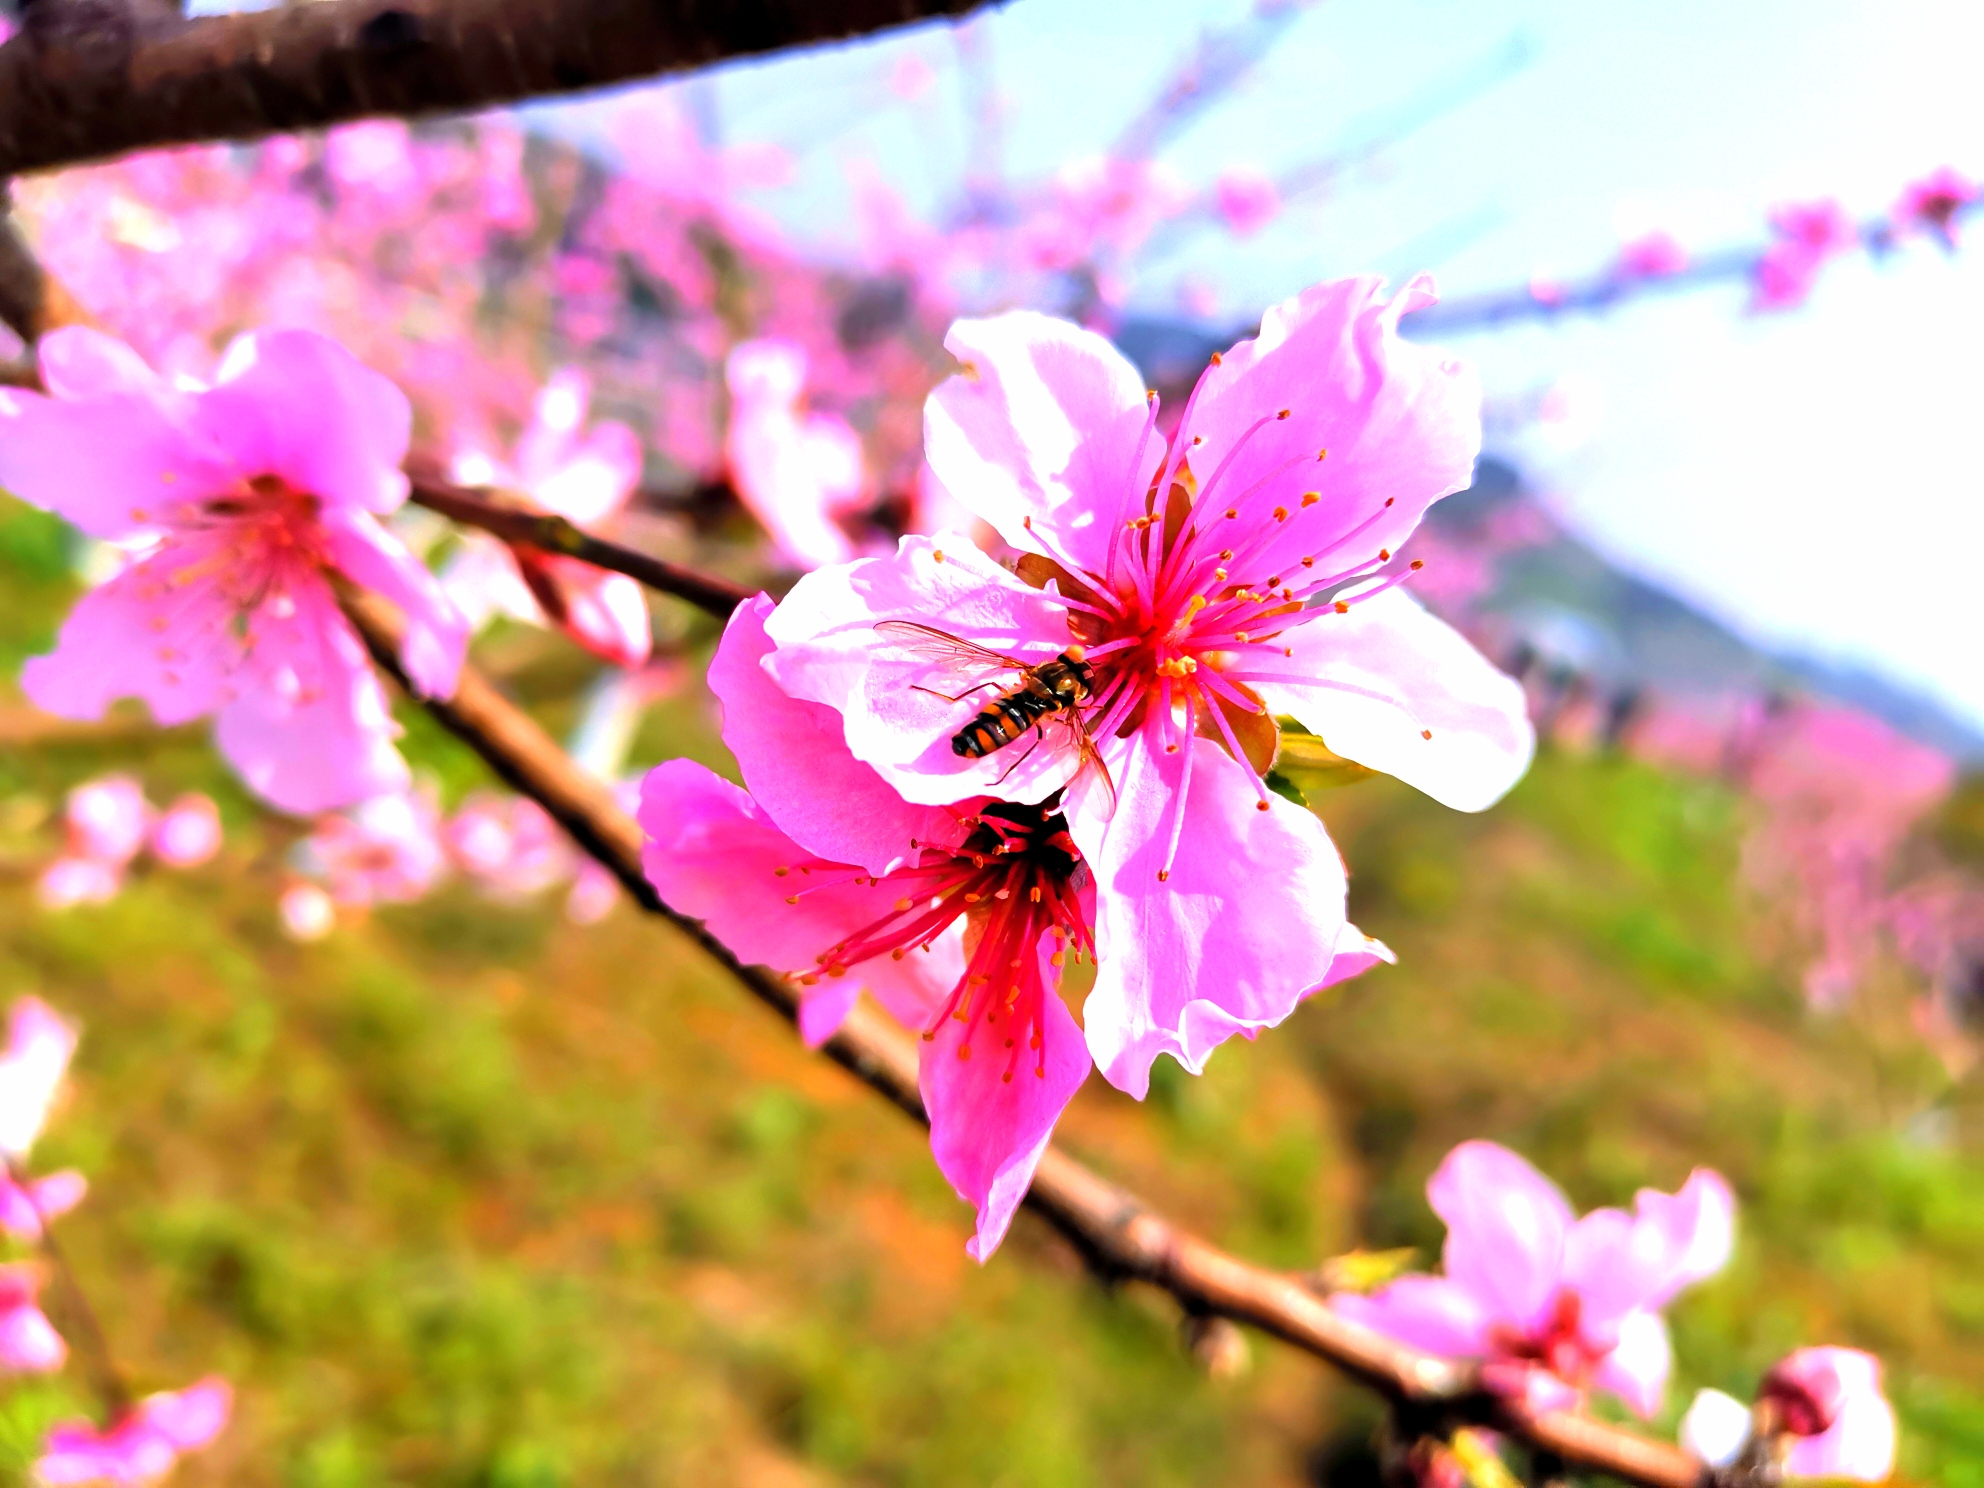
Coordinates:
(92,78)
(1119,1234)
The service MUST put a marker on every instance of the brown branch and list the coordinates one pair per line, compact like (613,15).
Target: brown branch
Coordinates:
(1117,1232)
(100,77)
(110,1382)
(553,534)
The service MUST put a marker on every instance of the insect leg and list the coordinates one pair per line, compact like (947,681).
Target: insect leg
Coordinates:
(960,697)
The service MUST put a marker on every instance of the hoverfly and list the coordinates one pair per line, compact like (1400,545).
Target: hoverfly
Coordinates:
(1052,690)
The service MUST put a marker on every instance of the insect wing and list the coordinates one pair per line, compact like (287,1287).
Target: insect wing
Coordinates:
(930,644)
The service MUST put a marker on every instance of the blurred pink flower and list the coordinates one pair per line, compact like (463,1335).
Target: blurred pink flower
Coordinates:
(187,832)
(108,819)
(1808,233)
(247,491)
(1247,199)
(67,882)
(1653,255)
(1555,1305)
(583,476)
(142,1447)
(508,844)
(594,893)
(29,1343)
(1263,584)
(39,1046)
(26,1207)
(796,471)
(384,851)
(306,912)
(1935,202)
(1830,1400)
(1716,1427)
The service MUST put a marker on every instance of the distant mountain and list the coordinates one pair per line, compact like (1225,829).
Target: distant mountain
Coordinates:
(1562,599)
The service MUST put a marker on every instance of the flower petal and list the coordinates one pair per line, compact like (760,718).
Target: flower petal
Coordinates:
(794,758)
(1637,1369)
(1427,679)
(1860,1444)
(1422,1312)
(297,405)
(885,684)
(1401,423)
(991,1115)
(109,464)
(713,853)
(436,632)
(1247,922)
(310,730)
(1044,425)
(142,635)
(1506,1225)
(1355,954)
(78,362)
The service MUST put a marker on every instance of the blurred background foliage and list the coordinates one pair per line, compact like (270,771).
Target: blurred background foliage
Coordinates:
(469,1195)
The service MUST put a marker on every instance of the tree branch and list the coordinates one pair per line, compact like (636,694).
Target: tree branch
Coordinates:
(1117,1232)
(553,534)
(103,77)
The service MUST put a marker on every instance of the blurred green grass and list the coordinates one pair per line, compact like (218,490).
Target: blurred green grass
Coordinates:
(468,1195)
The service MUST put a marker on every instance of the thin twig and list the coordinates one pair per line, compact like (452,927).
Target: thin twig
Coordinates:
(553,534)
(96,1344)
(1114,1230)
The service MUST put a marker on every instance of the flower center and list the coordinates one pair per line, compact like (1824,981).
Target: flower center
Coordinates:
(1015,880)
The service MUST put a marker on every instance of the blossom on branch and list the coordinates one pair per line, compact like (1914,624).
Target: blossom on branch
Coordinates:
(1934,202)
(32,1067)
(796,471)
(1829,1400)
(1243,571)
(584,476)
(239,497)
(1808,234)
(1555,1305)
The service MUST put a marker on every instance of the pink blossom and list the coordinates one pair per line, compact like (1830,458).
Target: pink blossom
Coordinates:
(108,819)
(1716,1427)
(246,492)
(508,844)
(1830,1400)
(29,1343)
(825,872)
(384,851)
(39,1046)
(187,832)
(143,1446)
(1553,1305)
(585,477)
(1808,234)
(26,1207)
(594,893)
(1653,255)
(67,882)
(1263,585)
(1247,199)
(796,471)
(306,911)
(1935,202)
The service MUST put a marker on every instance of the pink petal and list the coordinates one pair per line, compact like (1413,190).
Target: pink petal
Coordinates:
(67,882)
(110,646)
(1860,1444)
(1428,678)
(714,854)
(190,1418)
(1045,424)
(437,633)
(108,818)
(39,1047)
(1402,423)
(1247,922)
(102,462)
(188,833)
(1696,1229)
(988,1132)
(29,1343)
(77,362)
(1423,1312)
(884,684)
(595,482)
(314,734)
(1506,1226)
(794,757)
(297,405)
(1355,954)
(1636,1369)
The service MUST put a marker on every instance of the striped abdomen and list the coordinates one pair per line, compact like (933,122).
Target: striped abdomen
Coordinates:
(1053,688)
